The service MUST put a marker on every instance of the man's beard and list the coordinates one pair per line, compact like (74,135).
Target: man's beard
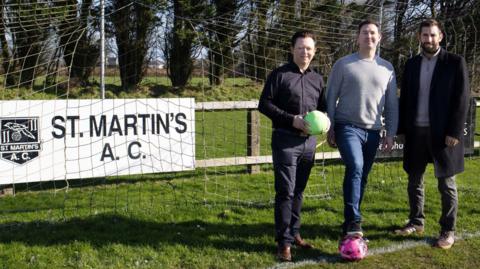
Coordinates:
(429,50)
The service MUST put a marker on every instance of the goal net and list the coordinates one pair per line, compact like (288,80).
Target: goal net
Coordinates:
(178,124)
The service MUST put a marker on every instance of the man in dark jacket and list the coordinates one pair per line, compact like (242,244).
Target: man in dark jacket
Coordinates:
(433,109)
(290,92)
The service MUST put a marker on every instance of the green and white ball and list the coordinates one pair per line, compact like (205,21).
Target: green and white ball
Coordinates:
(318,122)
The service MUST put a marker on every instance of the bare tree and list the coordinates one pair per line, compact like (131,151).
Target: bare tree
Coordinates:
(180,45)
(76,31)
(29,26)
(133,23)
(221,32)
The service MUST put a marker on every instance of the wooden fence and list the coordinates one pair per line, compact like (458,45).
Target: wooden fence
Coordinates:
(253,158)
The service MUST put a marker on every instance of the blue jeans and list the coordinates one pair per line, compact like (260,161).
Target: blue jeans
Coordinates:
(357,147)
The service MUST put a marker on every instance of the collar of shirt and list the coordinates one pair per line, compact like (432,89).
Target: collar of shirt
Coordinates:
(435,56)
(294,67)
(359,57)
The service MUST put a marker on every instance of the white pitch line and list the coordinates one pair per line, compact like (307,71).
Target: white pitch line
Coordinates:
(377,251)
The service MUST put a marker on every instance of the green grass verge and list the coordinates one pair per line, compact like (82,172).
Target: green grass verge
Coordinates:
(220,219)
(150,87)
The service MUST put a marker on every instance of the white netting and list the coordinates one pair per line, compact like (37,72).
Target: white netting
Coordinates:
(51,49)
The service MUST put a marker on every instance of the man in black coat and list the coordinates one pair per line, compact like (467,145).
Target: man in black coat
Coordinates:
(433,109)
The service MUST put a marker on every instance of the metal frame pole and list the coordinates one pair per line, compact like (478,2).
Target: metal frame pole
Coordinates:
(102,48)
(381,24)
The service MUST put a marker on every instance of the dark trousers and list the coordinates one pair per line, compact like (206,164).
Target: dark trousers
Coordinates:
(293,158)
(421,145)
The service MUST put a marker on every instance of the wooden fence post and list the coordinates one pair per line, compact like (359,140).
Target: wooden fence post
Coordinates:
(253,138)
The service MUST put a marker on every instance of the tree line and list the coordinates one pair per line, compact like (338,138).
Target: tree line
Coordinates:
(32,33)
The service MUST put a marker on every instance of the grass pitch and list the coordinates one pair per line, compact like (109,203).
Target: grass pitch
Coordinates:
(191,220)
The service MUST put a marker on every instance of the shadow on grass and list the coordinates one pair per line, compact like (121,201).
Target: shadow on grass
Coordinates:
(106,229)
(473,212)
(388,232)
(159,90)
(403,210)
(130,179)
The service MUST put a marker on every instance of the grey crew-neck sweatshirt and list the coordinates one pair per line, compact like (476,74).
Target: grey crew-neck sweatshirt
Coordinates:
(360,91)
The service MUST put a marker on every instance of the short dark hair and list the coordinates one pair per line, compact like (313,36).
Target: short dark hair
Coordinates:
(302,34)
(430,23)
(367,21)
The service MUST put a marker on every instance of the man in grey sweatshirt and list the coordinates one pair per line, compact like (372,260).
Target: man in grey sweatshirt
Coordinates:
(361,87)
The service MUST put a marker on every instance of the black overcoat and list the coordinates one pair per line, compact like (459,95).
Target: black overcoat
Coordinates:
(448,107)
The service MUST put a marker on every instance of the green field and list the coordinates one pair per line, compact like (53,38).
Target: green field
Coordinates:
(220,217)
(226,221)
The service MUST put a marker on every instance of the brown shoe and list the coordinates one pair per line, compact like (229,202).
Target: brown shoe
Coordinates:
(302,243)
(445,240)
(284,254)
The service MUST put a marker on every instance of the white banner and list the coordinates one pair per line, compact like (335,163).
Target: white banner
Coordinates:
(45,140)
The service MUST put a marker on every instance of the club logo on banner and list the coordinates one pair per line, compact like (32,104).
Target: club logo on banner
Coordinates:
(20,139)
